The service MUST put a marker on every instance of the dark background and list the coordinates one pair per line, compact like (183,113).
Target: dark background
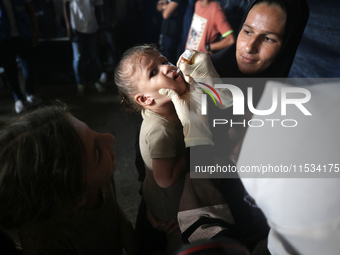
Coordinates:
(139,22)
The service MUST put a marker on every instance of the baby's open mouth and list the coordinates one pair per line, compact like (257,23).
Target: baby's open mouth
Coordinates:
(177,74)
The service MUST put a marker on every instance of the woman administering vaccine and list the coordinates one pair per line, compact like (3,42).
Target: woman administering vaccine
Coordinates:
(265,48)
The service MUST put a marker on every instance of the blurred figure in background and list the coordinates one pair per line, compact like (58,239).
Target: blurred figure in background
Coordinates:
(210,30)
(82,19)
(189,12)
(109,52)
(18,38)
(171,31)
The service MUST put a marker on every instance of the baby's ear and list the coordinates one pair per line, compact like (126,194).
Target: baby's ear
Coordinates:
(143,100)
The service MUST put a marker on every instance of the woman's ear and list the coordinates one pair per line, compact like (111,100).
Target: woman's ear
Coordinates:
(143,100)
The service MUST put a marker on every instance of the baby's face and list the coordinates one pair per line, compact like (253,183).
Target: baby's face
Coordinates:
(155,73)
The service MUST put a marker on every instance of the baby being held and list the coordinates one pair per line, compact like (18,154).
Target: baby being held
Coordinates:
(142,72)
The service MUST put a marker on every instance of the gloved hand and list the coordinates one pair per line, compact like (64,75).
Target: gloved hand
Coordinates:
(203,71)
(200,66)
(188,107)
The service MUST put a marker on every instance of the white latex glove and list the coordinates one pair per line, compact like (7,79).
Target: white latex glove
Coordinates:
(188,107)
(203,71)
(200,66)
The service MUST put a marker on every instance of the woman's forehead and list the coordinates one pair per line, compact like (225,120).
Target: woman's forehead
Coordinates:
(269,18)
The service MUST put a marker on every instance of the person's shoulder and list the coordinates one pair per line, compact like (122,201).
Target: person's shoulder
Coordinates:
(152,123)
(159,130)
(149,115)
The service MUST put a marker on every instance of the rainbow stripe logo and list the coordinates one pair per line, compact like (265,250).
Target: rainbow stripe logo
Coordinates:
(208,92)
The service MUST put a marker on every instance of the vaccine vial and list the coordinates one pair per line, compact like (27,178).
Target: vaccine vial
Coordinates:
(187,56)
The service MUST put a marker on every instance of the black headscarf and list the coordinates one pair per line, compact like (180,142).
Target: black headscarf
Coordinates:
(297,16)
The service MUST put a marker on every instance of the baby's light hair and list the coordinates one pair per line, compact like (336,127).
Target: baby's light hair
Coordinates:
(124,74)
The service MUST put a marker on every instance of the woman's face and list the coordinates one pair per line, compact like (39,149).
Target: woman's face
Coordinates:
(260,38)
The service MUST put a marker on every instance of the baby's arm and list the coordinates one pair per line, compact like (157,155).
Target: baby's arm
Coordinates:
(167,171)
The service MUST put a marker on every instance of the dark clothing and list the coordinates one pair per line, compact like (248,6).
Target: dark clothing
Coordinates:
(171,32)
(169,47)
(107,15)
(189,12)
(172,26)
(297,16)
(17,45)
(9,50)
(21,18)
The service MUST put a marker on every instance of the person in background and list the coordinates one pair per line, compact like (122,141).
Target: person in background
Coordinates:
(108,21)
(208,25)
(60,196)
(171,31)
(18,38)
(189,12)
(82,23)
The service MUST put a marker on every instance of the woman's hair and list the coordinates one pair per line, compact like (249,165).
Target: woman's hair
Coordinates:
(124,74)
(281,5)
(41,166)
